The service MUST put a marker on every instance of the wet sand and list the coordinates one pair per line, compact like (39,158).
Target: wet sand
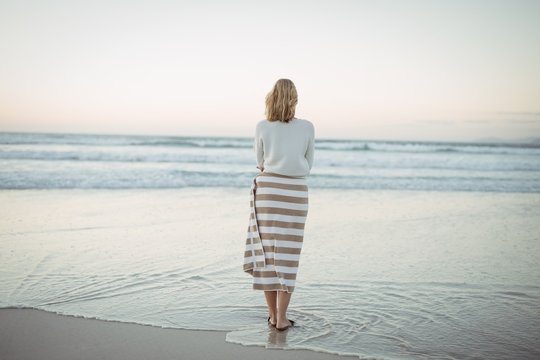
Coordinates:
(37,334)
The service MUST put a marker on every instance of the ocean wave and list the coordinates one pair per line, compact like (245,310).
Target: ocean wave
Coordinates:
(90,155)
(429,147)
(122,140)
(170,178)
(245,143)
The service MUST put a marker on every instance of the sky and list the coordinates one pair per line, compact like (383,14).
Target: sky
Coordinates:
(456,70)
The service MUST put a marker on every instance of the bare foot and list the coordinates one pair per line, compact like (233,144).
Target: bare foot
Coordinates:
(283,324)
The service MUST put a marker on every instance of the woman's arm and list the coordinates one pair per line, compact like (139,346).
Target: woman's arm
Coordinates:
(259,149)
(311,147)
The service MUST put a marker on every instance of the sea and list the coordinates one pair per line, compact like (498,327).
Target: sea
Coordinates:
(72,161)
(412,249)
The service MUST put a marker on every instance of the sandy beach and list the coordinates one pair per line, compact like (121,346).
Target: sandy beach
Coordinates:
(35,334)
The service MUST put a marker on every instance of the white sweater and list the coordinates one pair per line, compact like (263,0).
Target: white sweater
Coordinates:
(285,148)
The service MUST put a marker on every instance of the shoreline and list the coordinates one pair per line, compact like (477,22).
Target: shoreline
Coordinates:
(38,334)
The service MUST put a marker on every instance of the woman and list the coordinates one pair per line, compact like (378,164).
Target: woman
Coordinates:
(279,200)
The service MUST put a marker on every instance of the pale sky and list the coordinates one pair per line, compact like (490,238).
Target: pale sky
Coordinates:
(411,70)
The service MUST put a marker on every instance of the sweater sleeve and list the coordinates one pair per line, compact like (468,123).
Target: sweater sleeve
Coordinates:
(259,150)
(311,148)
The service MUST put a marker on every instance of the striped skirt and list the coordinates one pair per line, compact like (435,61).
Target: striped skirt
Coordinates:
(279,206)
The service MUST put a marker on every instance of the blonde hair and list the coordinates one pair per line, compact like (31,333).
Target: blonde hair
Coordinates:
(281,101)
